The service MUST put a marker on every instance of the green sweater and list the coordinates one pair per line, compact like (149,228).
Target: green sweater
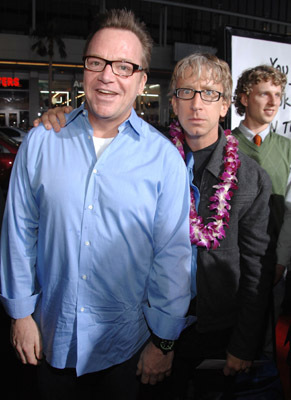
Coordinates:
(274,155)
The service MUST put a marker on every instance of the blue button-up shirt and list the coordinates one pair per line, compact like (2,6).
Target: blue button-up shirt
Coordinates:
(97,250)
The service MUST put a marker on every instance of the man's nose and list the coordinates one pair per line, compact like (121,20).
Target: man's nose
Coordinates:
(274,99)
(196,102)
(107,73)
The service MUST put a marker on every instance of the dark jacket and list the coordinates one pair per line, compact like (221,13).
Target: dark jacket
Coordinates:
(234,281)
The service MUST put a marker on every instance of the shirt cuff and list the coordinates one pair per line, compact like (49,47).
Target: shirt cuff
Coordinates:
(19,308)
(166,326)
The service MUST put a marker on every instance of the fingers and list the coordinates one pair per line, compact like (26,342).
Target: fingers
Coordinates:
(27,356)
(152,379)
(67,109)
(233,371)
(153,365)
(54,118)
(36,122)
(61,117)
(38,350)
(50,119)
(26,340)
(145,378)
(60,120)
(20,355)
(227,371)
(235,365)
(139,368)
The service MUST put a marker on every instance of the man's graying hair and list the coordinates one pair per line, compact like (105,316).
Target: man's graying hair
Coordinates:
(204,66)
(253,76)
(126,20)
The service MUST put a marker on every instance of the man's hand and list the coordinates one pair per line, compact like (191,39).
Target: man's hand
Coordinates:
(153,365)
(54,118)
(234,365)
(279,271)
(26,340)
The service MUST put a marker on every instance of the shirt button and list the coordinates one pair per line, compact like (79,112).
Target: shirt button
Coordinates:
(90,207)
(84,277)
(87,243)
(94,171)
(82,309)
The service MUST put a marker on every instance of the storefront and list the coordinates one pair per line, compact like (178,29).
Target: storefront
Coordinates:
(14,101)
(24,95)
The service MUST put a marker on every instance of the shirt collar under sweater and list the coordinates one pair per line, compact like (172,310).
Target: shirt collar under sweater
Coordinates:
(250,134)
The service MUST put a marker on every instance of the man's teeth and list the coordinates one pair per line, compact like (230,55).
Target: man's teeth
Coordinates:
(105,91)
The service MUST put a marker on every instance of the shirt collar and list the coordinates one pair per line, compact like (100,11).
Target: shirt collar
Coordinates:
(74,114)
(250,134)
(133,120)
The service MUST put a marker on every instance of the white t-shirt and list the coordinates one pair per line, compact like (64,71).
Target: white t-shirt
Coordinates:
(101,144)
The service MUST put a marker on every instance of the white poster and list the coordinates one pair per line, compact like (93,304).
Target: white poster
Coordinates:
(246,53)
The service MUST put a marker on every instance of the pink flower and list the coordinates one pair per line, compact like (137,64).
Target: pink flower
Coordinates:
(209,235)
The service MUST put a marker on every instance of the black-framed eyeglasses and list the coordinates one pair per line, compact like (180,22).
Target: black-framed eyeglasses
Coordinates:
(206,94)
(120,68)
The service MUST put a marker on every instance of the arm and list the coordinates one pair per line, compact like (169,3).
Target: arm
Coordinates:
(19,292)
(256,272)
(170,276)
(284,243)
(54,118)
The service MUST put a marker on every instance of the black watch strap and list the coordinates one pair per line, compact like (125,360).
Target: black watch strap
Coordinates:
(164,345)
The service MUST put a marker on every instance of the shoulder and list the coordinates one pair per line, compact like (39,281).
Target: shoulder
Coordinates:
(33,136)
(149,131)
(282,143)
(251,174)
(74,126)
(280,140)
(39,135)
(159,139)
(236,131)
(238,134)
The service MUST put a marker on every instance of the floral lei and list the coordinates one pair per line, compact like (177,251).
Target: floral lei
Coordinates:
(209,235)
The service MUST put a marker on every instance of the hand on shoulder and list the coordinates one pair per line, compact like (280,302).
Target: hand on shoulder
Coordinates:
(53,118)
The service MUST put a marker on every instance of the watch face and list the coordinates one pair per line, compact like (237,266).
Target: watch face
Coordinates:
(167,345)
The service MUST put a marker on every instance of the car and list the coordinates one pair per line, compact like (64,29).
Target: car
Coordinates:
(13,132)
(8,151)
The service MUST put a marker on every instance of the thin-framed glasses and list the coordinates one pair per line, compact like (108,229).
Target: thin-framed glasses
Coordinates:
(206,94)
(120,68)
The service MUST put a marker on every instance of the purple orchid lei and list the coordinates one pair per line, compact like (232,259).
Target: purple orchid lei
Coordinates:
(209,235)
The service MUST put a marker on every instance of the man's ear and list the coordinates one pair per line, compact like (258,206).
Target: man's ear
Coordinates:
(224,108)
(244,99)
(174,104)
(143,81)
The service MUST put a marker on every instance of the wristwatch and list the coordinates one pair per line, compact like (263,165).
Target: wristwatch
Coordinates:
(163,344)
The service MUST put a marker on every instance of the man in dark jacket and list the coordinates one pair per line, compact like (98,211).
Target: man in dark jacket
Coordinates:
(231,193)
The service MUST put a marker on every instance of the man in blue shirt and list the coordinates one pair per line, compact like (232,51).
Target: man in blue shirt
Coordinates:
(228,229)
(95,250)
